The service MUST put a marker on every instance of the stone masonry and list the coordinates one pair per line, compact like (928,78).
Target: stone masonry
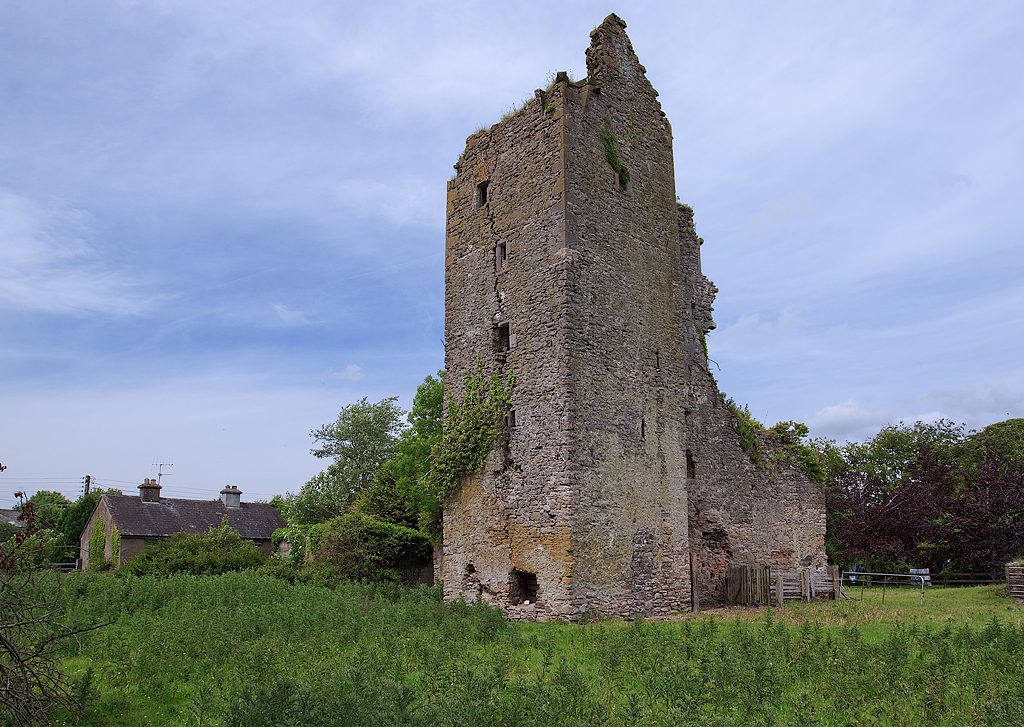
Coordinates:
(569,262)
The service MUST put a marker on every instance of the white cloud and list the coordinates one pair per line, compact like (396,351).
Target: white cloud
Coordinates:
(750,332)
(848,420)
(48,266)
(290,317)
(351,373)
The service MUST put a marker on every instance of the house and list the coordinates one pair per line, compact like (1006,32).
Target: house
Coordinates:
(149,516)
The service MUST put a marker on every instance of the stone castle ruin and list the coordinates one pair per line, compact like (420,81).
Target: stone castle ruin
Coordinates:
(623,487)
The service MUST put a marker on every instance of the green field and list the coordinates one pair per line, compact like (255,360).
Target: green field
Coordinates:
(244,649)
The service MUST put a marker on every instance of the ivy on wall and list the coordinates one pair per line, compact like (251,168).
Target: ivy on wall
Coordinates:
(612,155)
(471,429)
(97,545)
(703,339)
(115,546)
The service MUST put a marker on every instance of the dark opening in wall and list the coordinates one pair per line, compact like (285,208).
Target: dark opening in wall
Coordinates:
(470,568)
(691,466)
(522,587)
(511,418)
(657,358)
(502,338)
(481,194)
(500,255)
(643,430)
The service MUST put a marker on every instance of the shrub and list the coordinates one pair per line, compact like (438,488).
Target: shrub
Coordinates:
(359,547)
(218,551)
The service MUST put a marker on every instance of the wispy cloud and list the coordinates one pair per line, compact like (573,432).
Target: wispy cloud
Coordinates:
(752,332)
(47,264)
(290,317)
(351,373)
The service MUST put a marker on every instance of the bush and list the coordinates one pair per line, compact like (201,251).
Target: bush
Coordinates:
(218,551)
(359,547)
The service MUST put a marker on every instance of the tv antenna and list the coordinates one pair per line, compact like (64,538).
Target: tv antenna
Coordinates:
(160,470)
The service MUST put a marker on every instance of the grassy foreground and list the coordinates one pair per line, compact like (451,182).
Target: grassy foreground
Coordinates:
(243,649)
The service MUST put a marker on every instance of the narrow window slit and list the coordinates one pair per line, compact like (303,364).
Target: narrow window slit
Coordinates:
(502,338)
(691,466)
(500,255)
(481,194)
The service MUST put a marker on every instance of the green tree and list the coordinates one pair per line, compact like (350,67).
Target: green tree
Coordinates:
(363,438)
(399,493)
(1002,439)
(926,494)
(49,507)
(891,454)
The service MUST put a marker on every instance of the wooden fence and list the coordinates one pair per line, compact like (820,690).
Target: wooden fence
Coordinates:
(751,585)
(1015,579)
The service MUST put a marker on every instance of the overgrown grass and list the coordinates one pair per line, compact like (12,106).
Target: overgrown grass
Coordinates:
(244,649)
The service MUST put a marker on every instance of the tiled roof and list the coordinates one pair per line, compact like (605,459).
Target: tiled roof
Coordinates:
(135,518)
(9,516)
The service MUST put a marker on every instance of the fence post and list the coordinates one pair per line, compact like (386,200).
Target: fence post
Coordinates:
(833,571)
(778,589)
(694,595)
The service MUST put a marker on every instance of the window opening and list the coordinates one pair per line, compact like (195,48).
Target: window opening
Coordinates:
(691,466)
(643,430)
(522,587)
(481,194)
(501,254)
(511,418)
(657,358)
(502,338)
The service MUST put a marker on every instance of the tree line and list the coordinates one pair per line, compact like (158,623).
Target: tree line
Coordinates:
(926,495)
(919,494)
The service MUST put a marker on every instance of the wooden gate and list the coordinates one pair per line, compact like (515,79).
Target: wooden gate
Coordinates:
(1015,579)
(749,585)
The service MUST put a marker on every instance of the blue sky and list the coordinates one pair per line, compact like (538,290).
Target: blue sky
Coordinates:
(222,222)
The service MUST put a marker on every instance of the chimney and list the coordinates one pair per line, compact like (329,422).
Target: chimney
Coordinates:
(231,496)
(149,491)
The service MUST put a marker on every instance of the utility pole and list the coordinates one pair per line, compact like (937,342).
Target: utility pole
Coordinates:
(88,483)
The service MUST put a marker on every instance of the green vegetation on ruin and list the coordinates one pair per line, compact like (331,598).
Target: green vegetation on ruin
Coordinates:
(471,428)
(611,153)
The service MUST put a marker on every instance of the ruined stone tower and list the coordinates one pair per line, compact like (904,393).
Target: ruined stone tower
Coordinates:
(570,262)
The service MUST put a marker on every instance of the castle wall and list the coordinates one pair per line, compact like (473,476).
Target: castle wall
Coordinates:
(516,514)
(627,362)
(587,285)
